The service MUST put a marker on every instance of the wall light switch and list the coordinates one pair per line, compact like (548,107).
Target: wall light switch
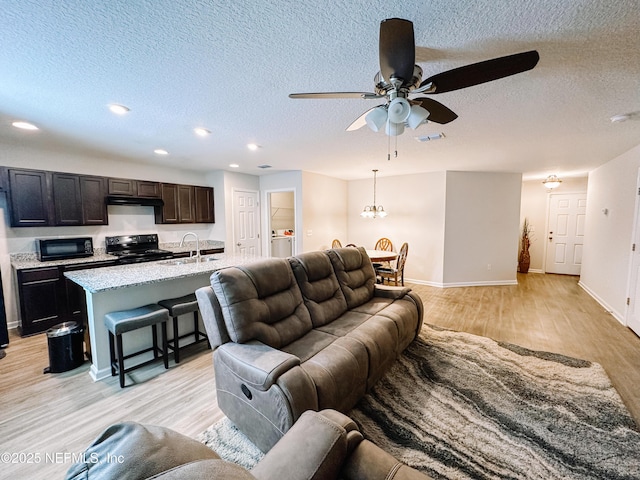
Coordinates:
(309,233)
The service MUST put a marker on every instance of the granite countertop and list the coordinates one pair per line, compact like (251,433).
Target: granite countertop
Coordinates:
(136,274)
(21,261)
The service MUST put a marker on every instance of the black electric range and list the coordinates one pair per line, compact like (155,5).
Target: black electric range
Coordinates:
(136,248)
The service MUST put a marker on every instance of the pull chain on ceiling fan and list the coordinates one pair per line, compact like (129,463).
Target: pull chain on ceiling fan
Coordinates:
(399,78)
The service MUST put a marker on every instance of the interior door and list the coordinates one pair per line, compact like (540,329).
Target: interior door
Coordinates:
(565,237)
(632,313)
(246,223)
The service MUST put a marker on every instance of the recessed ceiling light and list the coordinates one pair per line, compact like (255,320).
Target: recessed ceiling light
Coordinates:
(118,109)
(160,151)
(25,125)
(253,146)
(202,132)
(234,165)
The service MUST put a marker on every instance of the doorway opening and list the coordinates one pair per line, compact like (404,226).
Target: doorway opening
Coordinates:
(282,223)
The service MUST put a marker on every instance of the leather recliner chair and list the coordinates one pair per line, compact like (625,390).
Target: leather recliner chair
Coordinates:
(322,445)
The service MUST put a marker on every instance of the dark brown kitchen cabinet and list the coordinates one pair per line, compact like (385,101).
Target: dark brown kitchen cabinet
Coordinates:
(133,188)
(40,291)
(93,191)
(46,297)
(67,200)
(79,200)
(204,205)
(185,204)
(29,198)
(168,213)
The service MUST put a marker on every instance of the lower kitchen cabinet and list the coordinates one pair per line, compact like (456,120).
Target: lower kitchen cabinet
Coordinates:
(40,291)
(46,297)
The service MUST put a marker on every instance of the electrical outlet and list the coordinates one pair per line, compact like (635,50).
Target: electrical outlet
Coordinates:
(488,266)
(309,233)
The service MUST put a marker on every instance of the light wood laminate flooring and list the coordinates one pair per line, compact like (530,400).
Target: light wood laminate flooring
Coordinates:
(60,414)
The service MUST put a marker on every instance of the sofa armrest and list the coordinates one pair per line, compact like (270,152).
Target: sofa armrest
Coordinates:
(389,291)
(255,363)
(211,314)
(315,448)
(371,462)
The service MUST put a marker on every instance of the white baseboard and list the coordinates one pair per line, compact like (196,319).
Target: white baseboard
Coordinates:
(617,315)
(492,283)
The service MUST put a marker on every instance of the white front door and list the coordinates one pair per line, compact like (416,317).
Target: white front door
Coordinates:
(246,223)
(565,237)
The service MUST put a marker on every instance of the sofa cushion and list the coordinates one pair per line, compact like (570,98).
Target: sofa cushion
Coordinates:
(319,286)
(355,274)
(261,301)
(308,345)
(340,373)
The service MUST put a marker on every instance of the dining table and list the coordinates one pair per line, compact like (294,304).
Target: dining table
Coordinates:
(382,255)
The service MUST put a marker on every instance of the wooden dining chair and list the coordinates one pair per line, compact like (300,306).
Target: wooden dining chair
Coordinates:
(397,272)
(336,243)
(384,244)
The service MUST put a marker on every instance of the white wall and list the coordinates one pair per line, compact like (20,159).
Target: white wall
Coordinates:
(324,211)
(416,215)
(535,207)
(608,238)
(481,228)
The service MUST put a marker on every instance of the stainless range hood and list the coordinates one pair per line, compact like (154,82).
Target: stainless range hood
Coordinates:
(140,201)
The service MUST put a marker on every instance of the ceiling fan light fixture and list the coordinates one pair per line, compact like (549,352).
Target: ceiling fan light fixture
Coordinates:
(399,110)
(417,116)
(376,118)
(394,129)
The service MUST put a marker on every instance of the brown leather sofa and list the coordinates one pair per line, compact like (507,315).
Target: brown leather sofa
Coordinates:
(310,332)
(320,446)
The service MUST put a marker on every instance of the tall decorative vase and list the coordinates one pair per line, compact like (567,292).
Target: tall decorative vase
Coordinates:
(524,260)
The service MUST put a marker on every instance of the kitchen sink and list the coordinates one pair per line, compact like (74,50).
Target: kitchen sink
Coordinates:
(188,260)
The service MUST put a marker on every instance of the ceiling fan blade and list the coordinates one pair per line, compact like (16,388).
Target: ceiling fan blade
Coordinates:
(365,95)
(361,121)
(482,72)
(438,113)
(397,49)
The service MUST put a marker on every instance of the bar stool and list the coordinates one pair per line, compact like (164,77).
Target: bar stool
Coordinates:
(181,306)
(124,321)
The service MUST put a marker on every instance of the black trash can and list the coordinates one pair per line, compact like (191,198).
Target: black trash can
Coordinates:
(65,347)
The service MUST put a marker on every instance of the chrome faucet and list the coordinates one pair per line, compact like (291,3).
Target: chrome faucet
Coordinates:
(197,244)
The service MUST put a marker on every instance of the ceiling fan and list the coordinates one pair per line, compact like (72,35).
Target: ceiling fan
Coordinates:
(399,78)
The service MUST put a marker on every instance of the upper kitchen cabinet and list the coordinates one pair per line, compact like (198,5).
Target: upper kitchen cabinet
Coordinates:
(134,188)
(185,204)
(29,198)
(40,198)
(204,205)
(67,200)
(79,199)
(93,191)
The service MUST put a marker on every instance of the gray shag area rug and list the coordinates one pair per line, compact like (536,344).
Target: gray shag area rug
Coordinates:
(459,406)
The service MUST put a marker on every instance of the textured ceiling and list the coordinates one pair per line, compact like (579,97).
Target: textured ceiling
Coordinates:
(229,66)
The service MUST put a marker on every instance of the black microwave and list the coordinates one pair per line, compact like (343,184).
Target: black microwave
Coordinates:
(63,248)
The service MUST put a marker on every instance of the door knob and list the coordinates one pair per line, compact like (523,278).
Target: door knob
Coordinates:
(239,244)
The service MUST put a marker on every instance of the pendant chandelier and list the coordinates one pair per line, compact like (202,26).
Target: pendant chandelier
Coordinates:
(373,211)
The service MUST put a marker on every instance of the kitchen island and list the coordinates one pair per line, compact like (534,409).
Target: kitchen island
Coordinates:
(124,287)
